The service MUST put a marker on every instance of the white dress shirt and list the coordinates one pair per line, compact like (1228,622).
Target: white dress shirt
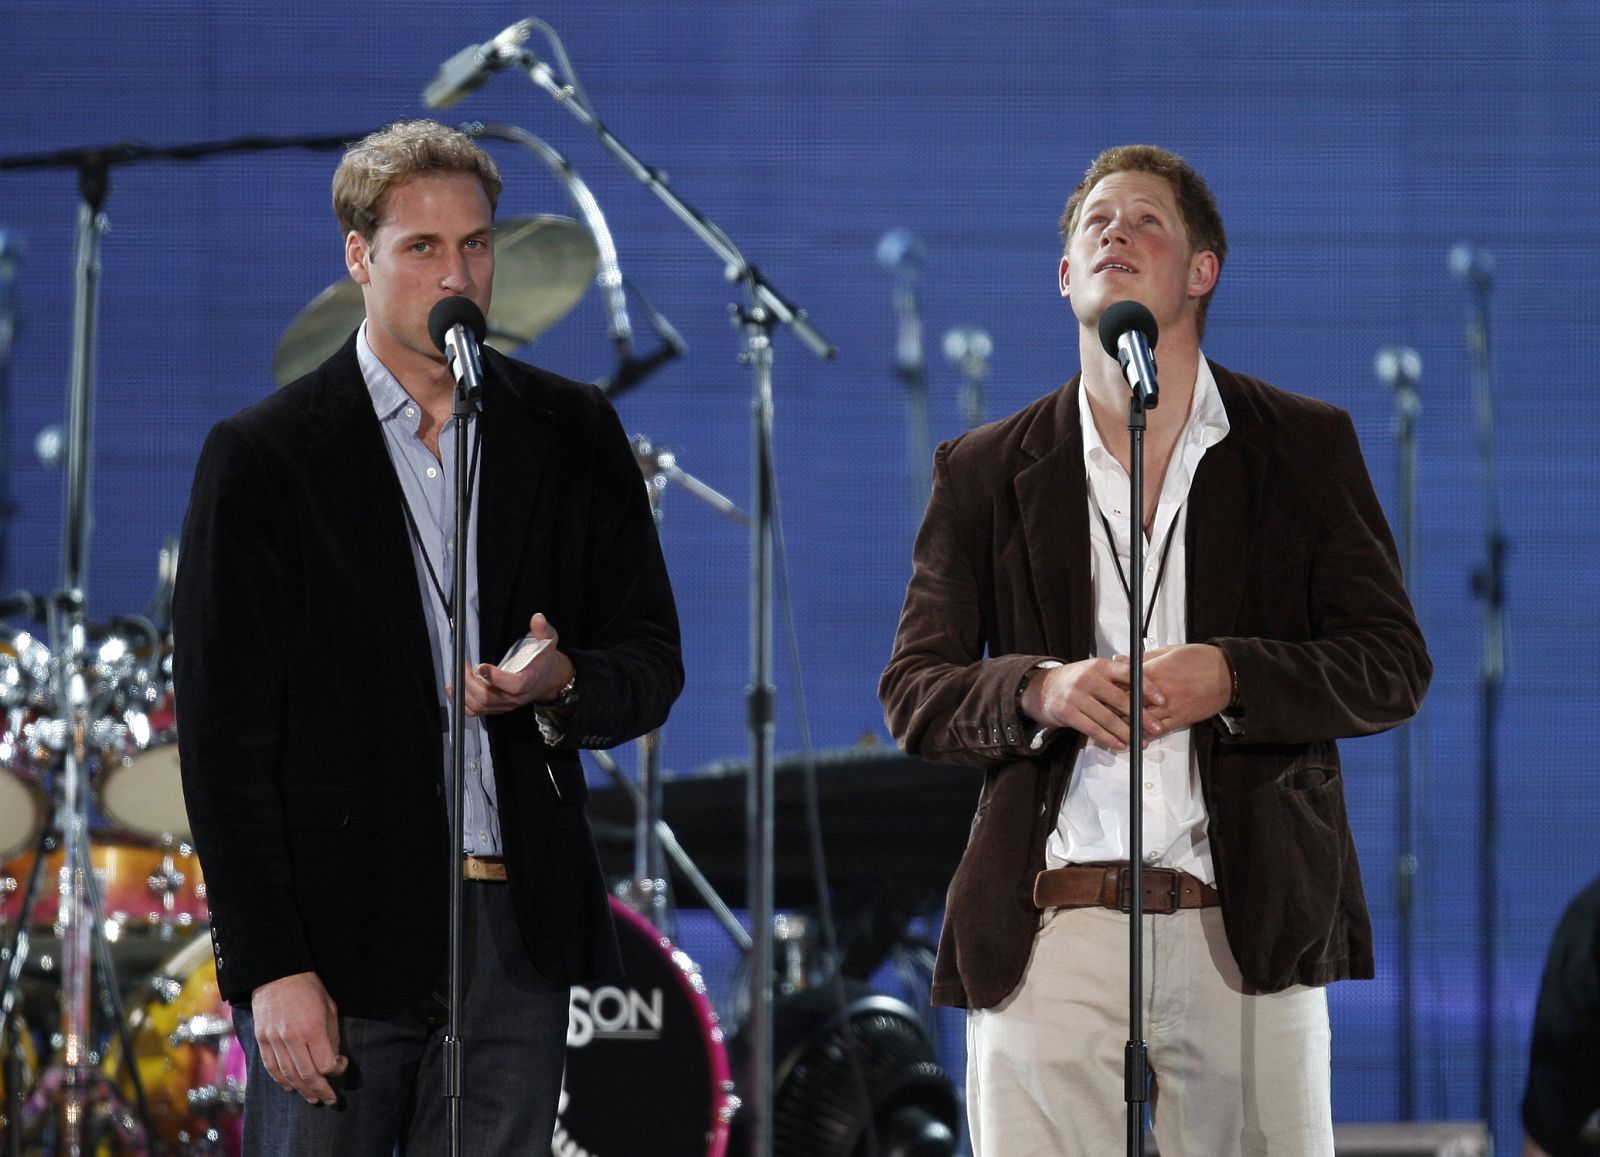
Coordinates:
(1092,825)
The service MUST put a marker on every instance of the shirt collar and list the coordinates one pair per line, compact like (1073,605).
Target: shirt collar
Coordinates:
(389,397)
(1206,425)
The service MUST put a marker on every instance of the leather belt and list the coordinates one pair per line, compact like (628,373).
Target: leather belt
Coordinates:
(1108,886)
(484,868)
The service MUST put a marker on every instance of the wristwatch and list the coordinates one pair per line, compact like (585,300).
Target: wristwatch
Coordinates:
(567,697)
(553,717)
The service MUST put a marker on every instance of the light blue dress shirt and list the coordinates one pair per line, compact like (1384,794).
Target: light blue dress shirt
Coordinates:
(429,486)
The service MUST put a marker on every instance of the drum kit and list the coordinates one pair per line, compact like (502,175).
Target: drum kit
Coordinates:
(115,1036)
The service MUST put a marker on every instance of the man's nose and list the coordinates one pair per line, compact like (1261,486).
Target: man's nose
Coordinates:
(457,273)
(1116,229)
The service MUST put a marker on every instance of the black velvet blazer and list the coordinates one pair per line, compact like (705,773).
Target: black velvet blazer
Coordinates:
(310,731)
(1291,571)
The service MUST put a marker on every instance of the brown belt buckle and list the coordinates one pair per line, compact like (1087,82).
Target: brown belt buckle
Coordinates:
(1125,890)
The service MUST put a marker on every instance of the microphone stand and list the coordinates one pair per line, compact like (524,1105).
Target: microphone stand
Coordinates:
(1135,1059)
(765,309)
(1488,585)
(466,386)
(1399,368)
(900,250)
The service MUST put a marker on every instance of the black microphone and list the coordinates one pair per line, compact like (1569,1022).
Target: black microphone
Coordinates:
(456,326)
(466,71)
(1128,332)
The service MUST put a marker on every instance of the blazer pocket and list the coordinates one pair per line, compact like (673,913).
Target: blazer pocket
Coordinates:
(564,777)
(318,811)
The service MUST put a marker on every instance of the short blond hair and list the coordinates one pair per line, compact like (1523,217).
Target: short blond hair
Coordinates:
(374,165)
(1201,218)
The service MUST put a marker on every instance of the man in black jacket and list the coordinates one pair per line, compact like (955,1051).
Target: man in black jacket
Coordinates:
(312,621)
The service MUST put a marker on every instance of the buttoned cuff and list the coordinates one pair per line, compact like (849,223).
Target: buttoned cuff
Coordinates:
(1041,732)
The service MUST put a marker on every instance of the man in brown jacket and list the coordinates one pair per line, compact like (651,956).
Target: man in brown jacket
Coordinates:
(1275,622)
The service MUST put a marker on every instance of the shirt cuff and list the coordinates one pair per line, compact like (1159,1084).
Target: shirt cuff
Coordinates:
(1042,732)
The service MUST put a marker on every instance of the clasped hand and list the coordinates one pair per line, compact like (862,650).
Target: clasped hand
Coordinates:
(1183,684)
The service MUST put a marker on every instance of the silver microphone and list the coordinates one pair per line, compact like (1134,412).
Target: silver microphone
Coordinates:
(466,71)
(457,326)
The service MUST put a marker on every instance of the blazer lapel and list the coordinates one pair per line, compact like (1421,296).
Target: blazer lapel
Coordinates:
(364,501)
(1052,497)
(518,440)
(1223,502)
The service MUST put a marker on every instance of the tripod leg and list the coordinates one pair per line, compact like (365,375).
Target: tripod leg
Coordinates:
(111,997)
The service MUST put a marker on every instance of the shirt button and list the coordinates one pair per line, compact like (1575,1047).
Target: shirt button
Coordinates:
(1149,786)
(1151,857)
(411,412)
(432,473)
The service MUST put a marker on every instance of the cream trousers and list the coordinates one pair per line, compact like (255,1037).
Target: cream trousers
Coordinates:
(1235,1072)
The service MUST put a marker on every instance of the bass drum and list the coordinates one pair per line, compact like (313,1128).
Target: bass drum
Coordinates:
(191,1064)
(646,1068)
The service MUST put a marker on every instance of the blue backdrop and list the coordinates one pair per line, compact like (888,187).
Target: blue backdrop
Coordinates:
(1351,143)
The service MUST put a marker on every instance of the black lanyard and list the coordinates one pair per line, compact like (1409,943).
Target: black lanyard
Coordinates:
(1166,549)
(449,604)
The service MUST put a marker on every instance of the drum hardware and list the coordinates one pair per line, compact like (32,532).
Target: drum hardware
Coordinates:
(63,1083)
(648,891)
(674,851)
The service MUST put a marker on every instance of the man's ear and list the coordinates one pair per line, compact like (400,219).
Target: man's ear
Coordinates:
(1203,270)
(1065,278)
(356,254)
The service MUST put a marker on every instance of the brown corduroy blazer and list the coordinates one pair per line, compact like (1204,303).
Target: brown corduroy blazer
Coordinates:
(1292,571)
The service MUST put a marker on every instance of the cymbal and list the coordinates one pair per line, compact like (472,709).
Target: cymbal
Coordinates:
(542,267)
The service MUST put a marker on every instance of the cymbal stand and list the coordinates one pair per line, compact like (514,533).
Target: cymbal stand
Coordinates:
(680,858)
(68,643)
(763,310)
(81,1088)
(649,891)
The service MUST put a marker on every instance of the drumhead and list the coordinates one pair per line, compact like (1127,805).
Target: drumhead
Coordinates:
(143,795)
(646,1068)
(22,814)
